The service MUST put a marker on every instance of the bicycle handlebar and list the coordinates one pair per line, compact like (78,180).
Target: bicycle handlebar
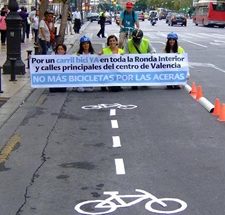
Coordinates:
(127,28)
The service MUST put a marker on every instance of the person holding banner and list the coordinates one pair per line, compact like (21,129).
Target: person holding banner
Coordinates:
(59,50)
(173,47)
(86,48)
(112,48)
(138,45)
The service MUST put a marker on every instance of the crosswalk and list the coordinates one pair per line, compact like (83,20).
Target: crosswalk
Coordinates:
(199,39)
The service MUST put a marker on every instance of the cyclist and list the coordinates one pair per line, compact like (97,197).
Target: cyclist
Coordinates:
(128,20)
(173,47)
(138,45)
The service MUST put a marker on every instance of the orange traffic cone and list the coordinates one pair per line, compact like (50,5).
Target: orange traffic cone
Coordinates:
(216,110)
(193,90)
(222,113)
(199,93)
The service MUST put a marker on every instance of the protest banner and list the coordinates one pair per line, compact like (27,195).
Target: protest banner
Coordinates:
(108,70)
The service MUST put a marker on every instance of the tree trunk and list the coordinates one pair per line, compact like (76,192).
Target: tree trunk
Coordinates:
(63,24)
(43,7)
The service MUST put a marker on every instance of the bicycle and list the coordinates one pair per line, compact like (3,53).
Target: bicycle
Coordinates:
(104,106)
(128,34)
(108,205)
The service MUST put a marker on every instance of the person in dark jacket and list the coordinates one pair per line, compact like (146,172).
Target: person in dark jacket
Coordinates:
(102,24)
(23,14)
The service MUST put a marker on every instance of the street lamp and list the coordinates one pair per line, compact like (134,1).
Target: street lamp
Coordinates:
(13,22)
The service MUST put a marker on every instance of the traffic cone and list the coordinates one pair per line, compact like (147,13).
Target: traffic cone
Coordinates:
(193,90)
(216,110)
(222,113)
(199,93)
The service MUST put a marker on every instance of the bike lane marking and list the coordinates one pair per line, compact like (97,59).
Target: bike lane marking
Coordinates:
(120,168)
(112,112)
(114,123)
(116,141)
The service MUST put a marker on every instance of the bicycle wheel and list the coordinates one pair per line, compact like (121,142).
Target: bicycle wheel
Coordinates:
(127,107)
(91,107)
(90,207)
(168,210)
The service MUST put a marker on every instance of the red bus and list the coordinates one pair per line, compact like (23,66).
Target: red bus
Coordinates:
(210,13)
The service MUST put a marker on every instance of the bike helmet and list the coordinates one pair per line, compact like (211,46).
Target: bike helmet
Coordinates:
(84,39)
(129,4)
(137,35)
(172,35)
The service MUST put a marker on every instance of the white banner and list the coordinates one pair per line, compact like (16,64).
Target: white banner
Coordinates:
(108,70)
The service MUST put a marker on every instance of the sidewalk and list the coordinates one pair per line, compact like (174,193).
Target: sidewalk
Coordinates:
(16,92)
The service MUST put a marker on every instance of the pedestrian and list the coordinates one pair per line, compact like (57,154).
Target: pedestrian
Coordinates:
(31,20)
(35,25)
(112,48)
(101,21)
(173,47)
(59,50)
(46,32)
(27,24)
(3,27)
(128,22)
(23,14)
(85,48)
(138,44)
(77,21)
(69,26)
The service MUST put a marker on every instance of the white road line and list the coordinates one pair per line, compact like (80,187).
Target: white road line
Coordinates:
(120,169)
(217,68)
(116,141)
(114,124)
(112,112)
(197,44)
(194,35)
(158,42)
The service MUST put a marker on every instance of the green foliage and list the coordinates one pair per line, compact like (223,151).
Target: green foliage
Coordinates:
(169,4)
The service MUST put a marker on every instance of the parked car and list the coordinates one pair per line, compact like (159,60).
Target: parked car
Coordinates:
(162,13)
(177,19)
(92,16)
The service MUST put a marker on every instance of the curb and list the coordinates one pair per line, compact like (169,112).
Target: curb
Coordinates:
(16,101)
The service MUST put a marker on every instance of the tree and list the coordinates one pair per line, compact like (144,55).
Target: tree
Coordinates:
(43,7)
(63,24)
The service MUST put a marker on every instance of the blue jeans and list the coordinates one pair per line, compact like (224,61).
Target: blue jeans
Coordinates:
(44,46)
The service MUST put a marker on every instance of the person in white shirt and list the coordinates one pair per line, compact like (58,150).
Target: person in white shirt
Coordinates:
(35,26)
(69,26)
(77,21)
(44,32)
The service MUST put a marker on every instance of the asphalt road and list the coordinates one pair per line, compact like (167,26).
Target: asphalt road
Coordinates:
(167,146)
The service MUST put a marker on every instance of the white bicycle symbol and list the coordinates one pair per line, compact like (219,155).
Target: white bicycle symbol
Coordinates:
(108,205)
(115,105)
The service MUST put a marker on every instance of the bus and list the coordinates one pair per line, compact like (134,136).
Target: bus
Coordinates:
(210,13)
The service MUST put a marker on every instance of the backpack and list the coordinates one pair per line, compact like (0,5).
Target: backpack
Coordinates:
(126,13)
(2,23)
